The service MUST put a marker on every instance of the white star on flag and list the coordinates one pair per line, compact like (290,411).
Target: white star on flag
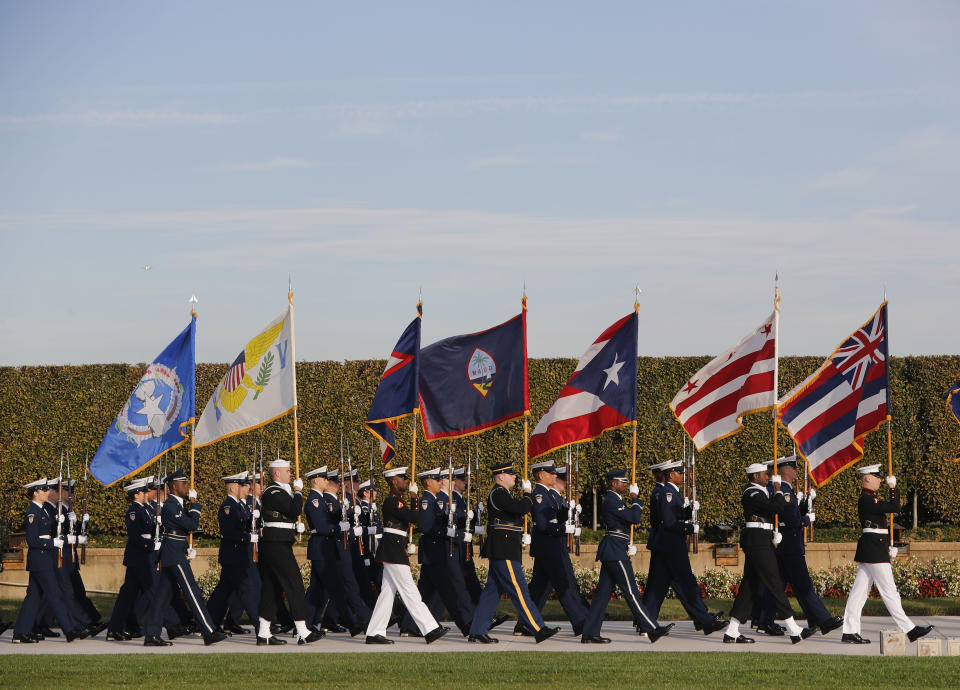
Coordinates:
(613,372)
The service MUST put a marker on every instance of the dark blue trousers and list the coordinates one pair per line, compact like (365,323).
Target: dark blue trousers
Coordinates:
(619,574)
(442,586)
(505,577)
(43,590)
(136,583)
(794,572)
(670,569)
(474,588)
(242,580)
(172,578)
(551,573)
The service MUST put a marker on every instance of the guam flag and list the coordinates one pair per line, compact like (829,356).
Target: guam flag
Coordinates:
(396,396)
(470,383)
(151,421)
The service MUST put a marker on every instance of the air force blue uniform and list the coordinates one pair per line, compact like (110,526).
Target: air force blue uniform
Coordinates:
(238,574)
(138,580)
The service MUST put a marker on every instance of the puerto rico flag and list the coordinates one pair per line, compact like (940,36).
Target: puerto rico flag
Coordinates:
(397,394)
(844,400)
(599,396)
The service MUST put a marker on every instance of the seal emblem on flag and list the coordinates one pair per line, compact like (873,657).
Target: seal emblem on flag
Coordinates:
(153,405)
(481,370)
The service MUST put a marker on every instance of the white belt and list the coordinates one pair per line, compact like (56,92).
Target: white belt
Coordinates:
(398,532)
(313,531)
(875,530)
(146,536)
(281,525)
(45,537)
(760,525)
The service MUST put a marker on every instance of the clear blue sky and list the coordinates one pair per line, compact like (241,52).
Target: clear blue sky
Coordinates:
(369,149)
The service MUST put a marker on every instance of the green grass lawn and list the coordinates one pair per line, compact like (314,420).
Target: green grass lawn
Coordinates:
(477,669)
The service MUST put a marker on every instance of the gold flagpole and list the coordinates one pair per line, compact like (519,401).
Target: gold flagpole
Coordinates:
(526,415)
(776,374)
(889,416)
(193,428)
(293,361)
(633,466)
(413,430)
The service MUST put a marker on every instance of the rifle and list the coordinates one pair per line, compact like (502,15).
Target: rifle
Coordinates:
(86,517)
(478,502)
(576,518)
(568,494)
(693,495)
(343,493)
(468,548)
(355,508)
(73,521)
(60,511)
(451,517)
(253,504)
(371,522)
(156,517)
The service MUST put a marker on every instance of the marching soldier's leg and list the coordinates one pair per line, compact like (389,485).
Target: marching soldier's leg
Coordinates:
(384,606)
(29,610)
(487,606)
(798,575)
(402,581)
(601,597)
(622,574)
(219,599)
(510,576)
(684,583)
(473,582)
(568,594)
(194,598)
(856,599)
(658,582)
(883,579)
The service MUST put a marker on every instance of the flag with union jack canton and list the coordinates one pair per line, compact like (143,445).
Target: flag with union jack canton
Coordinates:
(841,402)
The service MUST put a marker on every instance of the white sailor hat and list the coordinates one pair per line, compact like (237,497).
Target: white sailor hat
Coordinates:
(429,474)
(54,481)
(148,482)
(460,472)
(238,478)
(315,473)
(37,484)
(546,466)
(756,467)
(364,485)
(671,465)
(334,476)
(870,469)
(396,472)
(135,485)
(279,462)
(785,460)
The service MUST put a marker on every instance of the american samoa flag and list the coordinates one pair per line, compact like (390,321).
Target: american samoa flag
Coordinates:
(841,402)
(398,392)
(600,395)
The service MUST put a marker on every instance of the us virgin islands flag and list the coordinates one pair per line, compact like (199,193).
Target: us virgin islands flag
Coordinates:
(152,420)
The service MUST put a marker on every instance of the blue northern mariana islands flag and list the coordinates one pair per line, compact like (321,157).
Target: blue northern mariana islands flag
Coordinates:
(396,395)
(470,383)
(151,421)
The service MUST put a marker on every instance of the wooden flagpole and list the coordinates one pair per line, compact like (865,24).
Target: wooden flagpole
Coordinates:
(193,428)
(633,466)
(776,376)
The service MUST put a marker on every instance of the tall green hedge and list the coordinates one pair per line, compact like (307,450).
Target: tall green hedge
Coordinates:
(46,409)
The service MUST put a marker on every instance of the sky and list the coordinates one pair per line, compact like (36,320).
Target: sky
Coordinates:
(371,151)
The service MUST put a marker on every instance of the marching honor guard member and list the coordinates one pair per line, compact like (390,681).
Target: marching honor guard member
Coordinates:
(503,549)
(874,552)
(392,552)
(616,569)
(339,564)
(76,539)
(235,556)
(136,558)
(279,573)
(671,566)
(760,568)
(373,531)
(470,526)
(178,520)
(43,589)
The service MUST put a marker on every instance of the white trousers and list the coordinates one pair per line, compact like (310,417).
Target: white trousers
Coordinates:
(881,575)
(397,579)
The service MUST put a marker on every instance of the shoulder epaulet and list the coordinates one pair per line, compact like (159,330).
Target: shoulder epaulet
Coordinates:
(750,488)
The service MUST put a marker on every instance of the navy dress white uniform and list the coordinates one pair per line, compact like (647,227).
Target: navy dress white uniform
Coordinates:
(235,557)
(138,580)
(671,566)
(392,553)
(873,555)
(503,549)
(549,551)
(43,588)
(615,567)
(178,520)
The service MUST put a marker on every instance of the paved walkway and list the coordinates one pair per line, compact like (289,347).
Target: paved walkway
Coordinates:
(683,638)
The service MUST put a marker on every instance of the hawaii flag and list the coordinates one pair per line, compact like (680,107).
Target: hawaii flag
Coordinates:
(259,386)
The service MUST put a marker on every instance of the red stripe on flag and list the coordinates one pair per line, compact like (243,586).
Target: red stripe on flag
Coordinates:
(574,429)
(727,406)
(737,368)
(836,462)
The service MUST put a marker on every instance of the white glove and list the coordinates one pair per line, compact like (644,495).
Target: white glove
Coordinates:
(776,479)
(159,520)
(344,526)
(412,488)
(358,531)
(892,482)
(577,531)
(71,539)
(62,518)
(812,517)
(256,513)
(568,528)
(192,494)
(58,543)
(72,516)
(469,515)
(525,540)
(799,495)
(480,529)
(451,532)
(696,528)
(254,538)
(82,539)
(526,486)
(893,551)
(479,507)
(298,484)
(371,530)
(632,550)
(86,517)
(573,505)
(686,502)
(634,490)
(156,546)
(467,537)
(357,510)
(777,538)
(579,508)
(411,549)
(696,505)
(812,495)
(301,528)
(191,554)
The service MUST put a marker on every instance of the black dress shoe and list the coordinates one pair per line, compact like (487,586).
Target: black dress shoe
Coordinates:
(156,641)
(578,629)
(134,634)
(95,629)
(24,639)
(594,639)
(502,618)
(853,638)
(804,634)
(831,624)
(483,639)
(331,628)
(918,632)
(47,632)
(436,633)
(4,626)
(312,637)
(713,626)
(77,634)
(357,628)
(660,632)
(773,629)
(520,630)
(272,640)
(235,629)
(175,631)
(214,637)
(545,633)
(739,639)
(280,628)
(378,639)
(117,636)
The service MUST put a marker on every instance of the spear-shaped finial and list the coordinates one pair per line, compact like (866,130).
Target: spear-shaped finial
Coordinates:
(636,297)
(193,305)
(290,288)
(524,300)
